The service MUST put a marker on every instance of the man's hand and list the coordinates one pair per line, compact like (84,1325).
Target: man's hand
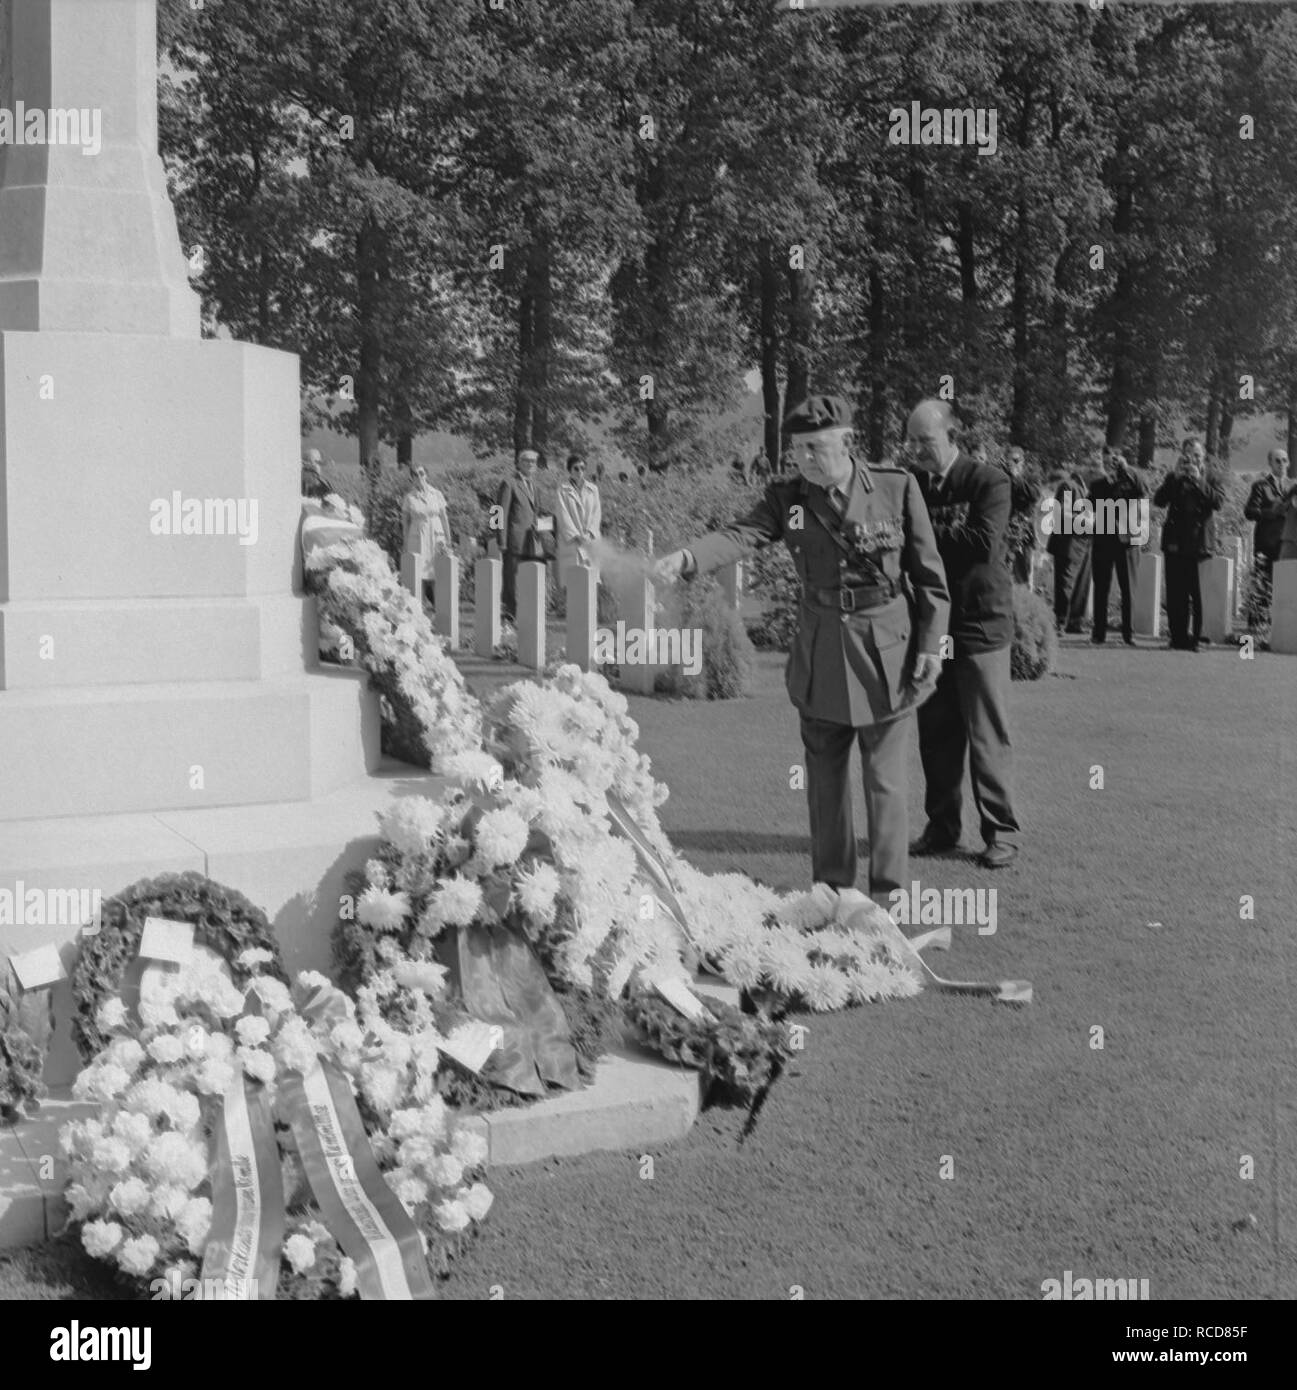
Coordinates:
(670,567)
(927,667)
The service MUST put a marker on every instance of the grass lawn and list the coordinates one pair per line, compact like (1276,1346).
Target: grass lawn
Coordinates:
(1123,912)
(1111,1163)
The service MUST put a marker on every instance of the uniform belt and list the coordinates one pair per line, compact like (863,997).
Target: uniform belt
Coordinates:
(854,598)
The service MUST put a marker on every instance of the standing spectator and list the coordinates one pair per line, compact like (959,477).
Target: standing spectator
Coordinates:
(967,718)
(1071,553)
(425,527)
(1190,497)
(517,516)
(1024,491)
(1116,548)
(580,519)
(1267,504)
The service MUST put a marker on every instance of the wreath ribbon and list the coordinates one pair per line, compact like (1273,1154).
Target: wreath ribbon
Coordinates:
(359,1208)
(247,1230)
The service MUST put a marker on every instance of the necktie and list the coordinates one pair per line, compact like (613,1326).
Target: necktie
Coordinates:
(838,501)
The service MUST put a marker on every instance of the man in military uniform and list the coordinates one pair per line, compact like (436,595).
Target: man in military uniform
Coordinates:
(873,613)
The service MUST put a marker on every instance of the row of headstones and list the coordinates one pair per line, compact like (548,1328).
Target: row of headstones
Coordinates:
(634,599)
(1223,598)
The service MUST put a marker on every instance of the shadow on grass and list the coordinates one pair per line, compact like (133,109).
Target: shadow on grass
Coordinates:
(57,1271)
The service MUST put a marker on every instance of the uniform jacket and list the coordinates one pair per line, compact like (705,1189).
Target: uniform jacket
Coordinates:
(970,518)
(849,667)
(1126,486)
(519,502)
(1268,507)
(1189,504)
(580,519)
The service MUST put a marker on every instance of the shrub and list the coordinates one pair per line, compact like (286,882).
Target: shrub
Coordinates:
(1035,641)
(771,576)
(726,651)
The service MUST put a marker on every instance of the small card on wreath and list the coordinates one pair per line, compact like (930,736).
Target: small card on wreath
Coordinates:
(680,997)
(164,939)
(472,1043)
(39,968)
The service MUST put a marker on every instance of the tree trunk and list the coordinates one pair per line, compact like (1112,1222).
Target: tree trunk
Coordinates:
(1147,439)
(521,395)
(801,331)
(768,285)
(370,268)
(542,342)
(657,412)
(1020,410)
(1292,420)
(1121,378)
(1213,421)
(966,247)
(877,422)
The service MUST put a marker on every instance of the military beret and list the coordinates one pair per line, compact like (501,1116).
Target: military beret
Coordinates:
(818,413)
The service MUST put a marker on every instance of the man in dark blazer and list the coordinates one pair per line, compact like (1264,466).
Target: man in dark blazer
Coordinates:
(515,516)
(967,718)
(1190,495)
(1118,497)
(872,615)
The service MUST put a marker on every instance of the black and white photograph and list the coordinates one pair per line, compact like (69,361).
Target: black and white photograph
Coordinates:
(595,704)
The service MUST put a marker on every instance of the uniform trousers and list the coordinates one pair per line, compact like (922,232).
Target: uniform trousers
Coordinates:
(967,718)
(828,796)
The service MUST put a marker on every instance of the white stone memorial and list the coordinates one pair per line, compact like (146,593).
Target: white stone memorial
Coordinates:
(162,707)
(1283,608)
(531,614)
(582,615)
(1146,607)
(488,584)
(1216,581)
(445,572)
(412,573)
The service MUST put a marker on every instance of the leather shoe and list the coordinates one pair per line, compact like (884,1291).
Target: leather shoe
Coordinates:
(930,842)
(998,855)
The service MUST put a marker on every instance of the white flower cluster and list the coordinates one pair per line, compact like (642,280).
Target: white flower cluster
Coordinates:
(361,595)
(139,1169)
(800,945)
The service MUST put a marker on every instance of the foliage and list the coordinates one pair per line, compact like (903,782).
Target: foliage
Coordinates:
(771,577)
(223,920)
(738,1054)
(1035,637)
(726,649)
(25,1026)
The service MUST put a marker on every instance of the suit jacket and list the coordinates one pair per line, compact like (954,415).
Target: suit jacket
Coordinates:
(1189,505)
(849,667)
(1268,507)
(1126,486)
(519,504)
(970,518)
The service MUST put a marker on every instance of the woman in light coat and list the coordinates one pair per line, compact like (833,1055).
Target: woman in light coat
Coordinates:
(580,517)
(425,526)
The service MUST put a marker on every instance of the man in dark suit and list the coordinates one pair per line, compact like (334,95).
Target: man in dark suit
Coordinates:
(1268,502)
(515,516)
(968,716)
(1190,495)
(1118,497)
(873,612)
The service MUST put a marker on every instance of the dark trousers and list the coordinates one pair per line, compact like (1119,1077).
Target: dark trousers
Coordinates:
(828,797)
(509,587)
(1071,583)
(968,714)
(1125,561)
(1183,600)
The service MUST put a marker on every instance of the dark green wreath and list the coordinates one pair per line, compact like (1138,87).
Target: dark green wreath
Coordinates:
(25,1027)
(739,1055)
(224,921)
